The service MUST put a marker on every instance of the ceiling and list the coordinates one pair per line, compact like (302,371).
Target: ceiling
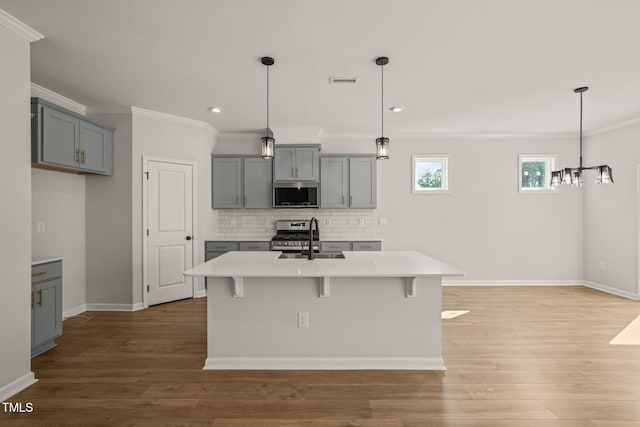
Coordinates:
(458,66)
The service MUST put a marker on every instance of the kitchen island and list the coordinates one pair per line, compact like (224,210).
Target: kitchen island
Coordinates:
(370,310)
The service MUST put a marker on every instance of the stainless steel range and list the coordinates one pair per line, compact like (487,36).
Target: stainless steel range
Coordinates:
(293,236)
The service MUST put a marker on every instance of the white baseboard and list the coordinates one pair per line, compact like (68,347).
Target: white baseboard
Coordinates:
(114,307)
(324,363)
(200,293)
(610,290)
(16,386)
(74,311)
(462,282)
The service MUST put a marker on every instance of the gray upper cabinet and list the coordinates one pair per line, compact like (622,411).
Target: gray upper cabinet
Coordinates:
(334,173)
(299,163)
(258,183)
(241,182)
(362,182)
(348,182)
(226,185)
(63,139)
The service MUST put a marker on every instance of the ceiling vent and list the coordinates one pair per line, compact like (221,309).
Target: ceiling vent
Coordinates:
(343,80)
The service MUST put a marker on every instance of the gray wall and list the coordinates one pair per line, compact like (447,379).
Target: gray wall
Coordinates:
(58,200)
(484,226)
(611,214)
(15,213)
(109,225)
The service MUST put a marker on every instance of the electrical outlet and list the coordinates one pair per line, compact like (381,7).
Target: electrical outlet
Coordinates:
(233,222)
(382,221)
(363,221)
(40,227)
(603,265)
(327,221)
(303,320)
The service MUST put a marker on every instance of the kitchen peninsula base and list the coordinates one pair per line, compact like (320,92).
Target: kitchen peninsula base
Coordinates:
(361,312)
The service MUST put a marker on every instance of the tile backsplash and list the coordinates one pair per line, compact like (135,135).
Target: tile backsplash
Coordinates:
(259,224)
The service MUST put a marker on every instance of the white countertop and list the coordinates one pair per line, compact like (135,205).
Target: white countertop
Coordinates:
(37,260)
(355,264)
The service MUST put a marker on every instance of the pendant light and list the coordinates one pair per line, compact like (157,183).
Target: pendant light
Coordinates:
(573,176)
(382,143)
(267,141)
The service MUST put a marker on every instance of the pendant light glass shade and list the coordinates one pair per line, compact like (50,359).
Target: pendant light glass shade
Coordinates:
(267,141)
(267,147)
(573,176)
(382,143)
(382,148)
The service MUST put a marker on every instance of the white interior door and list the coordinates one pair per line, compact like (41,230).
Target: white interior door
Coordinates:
(170,231)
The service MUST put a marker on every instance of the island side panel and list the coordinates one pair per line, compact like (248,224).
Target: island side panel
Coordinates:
(366,323)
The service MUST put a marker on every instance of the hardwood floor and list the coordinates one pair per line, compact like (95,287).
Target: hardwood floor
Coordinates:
(523,356)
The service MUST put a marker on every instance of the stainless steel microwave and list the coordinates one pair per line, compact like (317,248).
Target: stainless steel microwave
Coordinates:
(295,195)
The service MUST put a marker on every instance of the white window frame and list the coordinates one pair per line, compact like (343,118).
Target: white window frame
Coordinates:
(446,173)
(551,161)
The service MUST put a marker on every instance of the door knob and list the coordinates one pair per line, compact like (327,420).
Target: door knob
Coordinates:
(188,237)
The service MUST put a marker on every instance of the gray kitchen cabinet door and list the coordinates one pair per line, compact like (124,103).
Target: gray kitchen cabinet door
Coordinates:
(306,164)
(255,246)
(362,182)
(47,314)
(284,163)
(226,185)
(334,191)
(375,245)
(60,138)
(331,246)
(96,148)
(258,183)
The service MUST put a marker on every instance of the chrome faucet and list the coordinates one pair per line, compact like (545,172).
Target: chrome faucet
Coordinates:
(314,219)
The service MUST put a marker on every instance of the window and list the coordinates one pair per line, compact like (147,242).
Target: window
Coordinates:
(534,172)
(431,174)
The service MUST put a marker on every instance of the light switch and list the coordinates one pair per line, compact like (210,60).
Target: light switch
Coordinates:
(40,227)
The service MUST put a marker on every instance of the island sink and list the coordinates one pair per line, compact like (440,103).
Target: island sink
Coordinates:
(319,255)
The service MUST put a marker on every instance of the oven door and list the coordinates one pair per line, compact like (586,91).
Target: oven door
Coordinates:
(295,195)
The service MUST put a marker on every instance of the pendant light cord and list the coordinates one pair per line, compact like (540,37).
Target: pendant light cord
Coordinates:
(382,101)
(268,131)
(580,130)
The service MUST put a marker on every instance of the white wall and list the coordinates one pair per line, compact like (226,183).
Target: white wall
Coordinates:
(108,212)
(610,212)
(160,136)
(58,200)
(15,215)
(485,226)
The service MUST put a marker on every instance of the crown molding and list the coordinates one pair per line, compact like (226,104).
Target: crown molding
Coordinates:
(239,136)
(109,109)
(56,98)
(137,111)
(440,136)
(19,27)
(613,127)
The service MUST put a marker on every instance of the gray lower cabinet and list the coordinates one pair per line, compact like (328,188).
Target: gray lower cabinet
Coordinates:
(46,306)
(348,182)
(241,182)
(296,163)
(66,140)
(366,245)
(215,248)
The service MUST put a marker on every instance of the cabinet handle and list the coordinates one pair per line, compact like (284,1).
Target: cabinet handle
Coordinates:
(39,273)
(293,172)
(351,200)
(342,200)
(220,247)
(296,172)
(77,156)
(40,297)
(238,200)
(334,247)
(245,201)
(365,247)
(32,299)
(253,247)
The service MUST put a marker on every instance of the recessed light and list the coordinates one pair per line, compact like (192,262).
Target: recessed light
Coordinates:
(215,110)
(397,108)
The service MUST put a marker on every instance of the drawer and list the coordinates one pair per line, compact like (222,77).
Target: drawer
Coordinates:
(48,271)
(212,254)
(216,246)
(254,246)
(335,246)
(367,246)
